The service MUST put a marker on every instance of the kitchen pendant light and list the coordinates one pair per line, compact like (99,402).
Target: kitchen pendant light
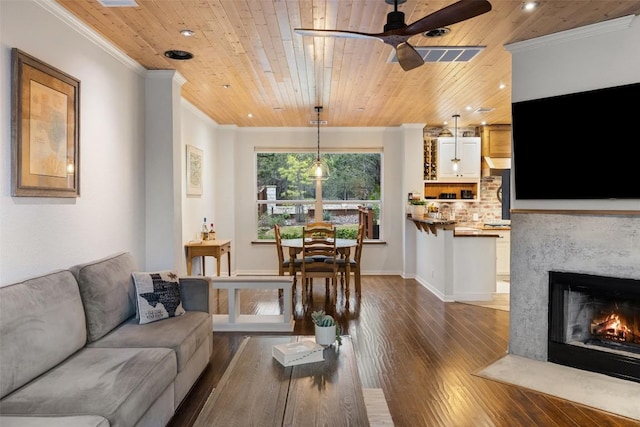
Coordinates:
(319,170)
(455,161)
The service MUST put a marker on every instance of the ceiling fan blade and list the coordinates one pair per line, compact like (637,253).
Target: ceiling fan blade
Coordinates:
(452,14)
(408,57)
(334,33)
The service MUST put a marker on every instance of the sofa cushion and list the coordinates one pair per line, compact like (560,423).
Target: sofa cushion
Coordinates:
(42,322)
(183,334)
(119,384)
(158,295)
(107,292)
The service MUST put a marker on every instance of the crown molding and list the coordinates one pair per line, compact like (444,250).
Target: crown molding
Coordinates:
(570,35)
(80,27)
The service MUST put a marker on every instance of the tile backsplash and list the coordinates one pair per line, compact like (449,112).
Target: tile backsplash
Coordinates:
(488,208)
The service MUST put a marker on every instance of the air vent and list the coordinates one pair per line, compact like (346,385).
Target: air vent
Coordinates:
(444,53)
(484,110)
(315,122)
(118,3)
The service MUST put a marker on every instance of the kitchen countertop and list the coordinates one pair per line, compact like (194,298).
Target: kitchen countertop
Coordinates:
(460,230)
(473,232)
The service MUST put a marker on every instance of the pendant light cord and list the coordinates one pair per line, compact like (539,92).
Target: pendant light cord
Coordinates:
(455,135)
(318,109)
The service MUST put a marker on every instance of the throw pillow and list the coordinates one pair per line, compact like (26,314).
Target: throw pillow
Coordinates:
(158,295)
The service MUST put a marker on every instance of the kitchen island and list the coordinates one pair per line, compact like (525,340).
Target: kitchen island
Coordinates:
(455,263)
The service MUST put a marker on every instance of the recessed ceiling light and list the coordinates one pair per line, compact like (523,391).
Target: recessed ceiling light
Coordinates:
(502,86)
(226,86)
(187,32)
(483,122)
(180,55)
(250,115)
(437,32)
(528,6)
(468,108)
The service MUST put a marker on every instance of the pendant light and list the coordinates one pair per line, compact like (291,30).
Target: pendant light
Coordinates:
(319,170)
(455,161)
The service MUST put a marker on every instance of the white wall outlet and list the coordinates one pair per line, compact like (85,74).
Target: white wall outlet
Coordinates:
(475,216)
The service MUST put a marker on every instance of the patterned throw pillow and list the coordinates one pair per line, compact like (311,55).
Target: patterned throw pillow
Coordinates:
(158,295)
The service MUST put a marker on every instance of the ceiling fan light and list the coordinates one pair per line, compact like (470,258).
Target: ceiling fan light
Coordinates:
(436,32)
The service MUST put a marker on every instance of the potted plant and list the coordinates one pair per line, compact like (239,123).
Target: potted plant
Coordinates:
(327,329)
(417,208)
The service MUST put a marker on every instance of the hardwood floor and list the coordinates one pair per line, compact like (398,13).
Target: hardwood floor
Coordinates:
(420,351)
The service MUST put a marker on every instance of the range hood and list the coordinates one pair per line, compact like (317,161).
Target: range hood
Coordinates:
(495,165)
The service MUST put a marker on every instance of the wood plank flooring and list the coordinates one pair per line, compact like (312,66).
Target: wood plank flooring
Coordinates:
(420,351)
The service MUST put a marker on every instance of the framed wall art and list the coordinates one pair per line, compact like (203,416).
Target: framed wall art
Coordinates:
(45,129)
(194,171)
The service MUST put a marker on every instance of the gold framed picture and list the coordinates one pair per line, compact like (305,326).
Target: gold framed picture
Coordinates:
(194,171)
(45,128)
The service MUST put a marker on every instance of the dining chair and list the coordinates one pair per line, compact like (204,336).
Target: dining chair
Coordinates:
(319,225)
(354,264)
(284,264)
(319,244)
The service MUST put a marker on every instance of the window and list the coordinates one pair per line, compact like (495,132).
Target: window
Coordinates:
(286,194)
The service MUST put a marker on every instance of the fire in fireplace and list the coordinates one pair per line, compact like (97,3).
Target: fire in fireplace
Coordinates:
(612,328)
(594,323)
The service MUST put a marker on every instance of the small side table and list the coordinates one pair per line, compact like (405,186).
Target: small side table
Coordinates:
(214,248)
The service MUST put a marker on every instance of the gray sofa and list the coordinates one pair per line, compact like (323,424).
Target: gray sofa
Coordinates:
(72,351)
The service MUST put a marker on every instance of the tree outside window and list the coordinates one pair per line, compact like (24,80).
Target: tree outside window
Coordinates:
(286,194)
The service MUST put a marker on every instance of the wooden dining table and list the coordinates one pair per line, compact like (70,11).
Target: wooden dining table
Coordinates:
(342,245)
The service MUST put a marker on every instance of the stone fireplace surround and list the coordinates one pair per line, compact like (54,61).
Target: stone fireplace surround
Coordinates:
(599,244)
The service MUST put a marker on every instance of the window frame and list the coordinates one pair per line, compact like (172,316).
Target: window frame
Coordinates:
(309,150)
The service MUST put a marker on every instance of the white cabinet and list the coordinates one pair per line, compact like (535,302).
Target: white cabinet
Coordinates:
(468,151)
(503,254)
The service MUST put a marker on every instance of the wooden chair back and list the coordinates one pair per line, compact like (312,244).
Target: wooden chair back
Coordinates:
(319,243)
(320,224)
(359,241)
(276,230)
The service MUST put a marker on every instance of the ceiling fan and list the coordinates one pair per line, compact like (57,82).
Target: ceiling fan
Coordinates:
(396,32)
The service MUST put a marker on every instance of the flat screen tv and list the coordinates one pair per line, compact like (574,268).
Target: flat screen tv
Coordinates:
(578,146)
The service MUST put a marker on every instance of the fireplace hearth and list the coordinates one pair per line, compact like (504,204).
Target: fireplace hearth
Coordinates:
(594,323)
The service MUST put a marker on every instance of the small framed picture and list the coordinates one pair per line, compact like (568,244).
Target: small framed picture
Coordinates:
(194,171)
(45,129)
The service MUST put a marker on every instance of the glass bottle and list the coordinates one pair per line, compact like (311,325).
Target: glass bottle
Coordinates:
(205,230)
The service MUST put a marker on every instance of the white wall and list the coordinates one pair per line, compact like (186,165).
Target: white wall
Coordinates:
(199,131)
(586,58)
(41,234)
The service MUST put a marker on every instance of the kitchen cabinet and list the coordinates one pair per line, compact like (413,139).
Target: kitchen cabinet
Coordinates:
(467,150)
(496,141)
(496,149)
(439,176)
(503,253)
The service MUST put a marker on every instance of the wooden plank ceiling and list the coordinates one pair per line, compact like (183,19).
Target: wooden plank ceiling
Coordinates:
(247,59)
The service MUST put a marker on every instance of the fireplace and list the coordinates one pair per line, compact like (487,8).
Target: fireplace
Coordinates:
(594,323)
